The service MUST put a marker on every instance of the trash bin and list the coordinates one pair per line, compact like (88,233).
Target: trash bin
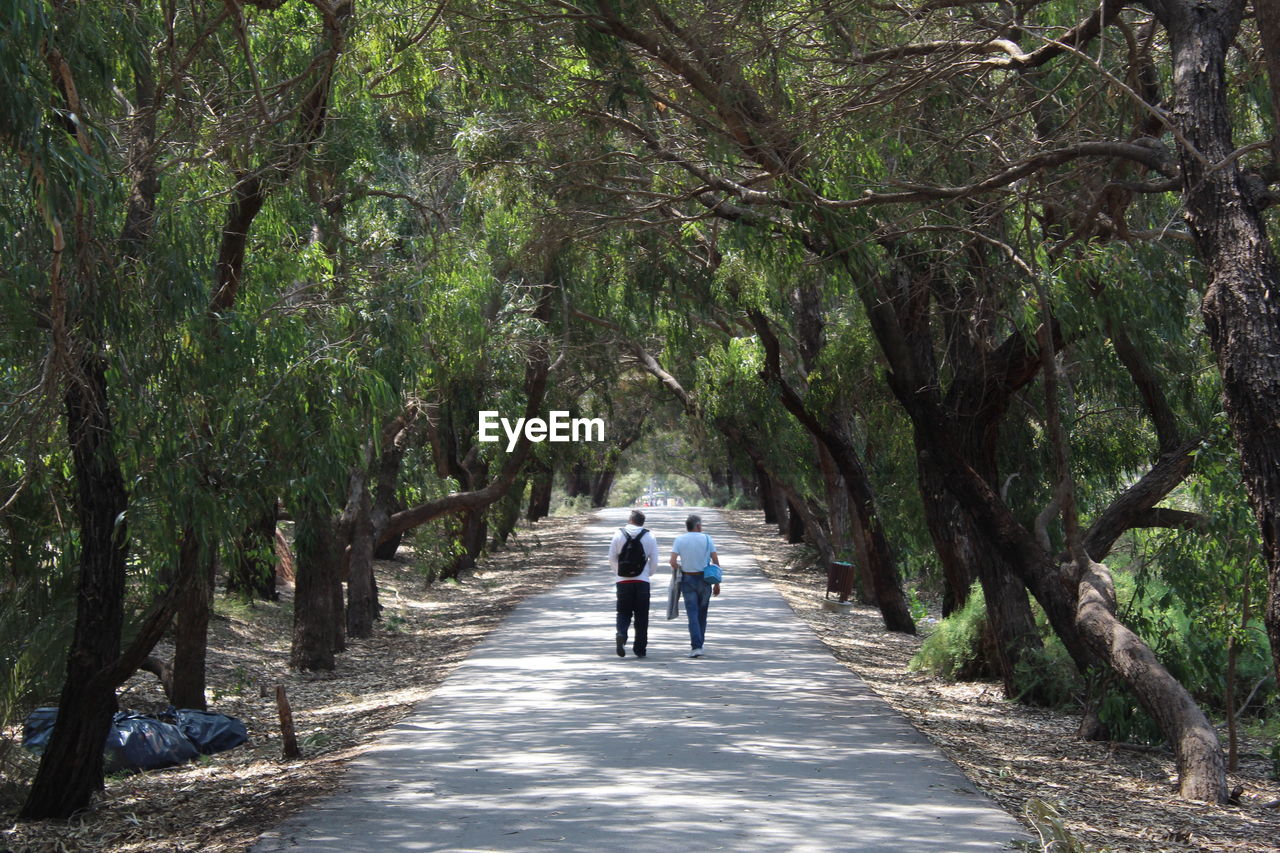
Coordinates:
(840,579)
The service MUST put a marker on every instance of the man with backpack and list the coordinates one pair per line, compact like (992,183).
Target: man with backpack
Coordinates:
(633,554)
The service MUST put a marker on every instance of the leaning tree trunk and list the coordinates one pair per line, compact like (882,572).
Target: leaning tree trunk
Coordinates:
(71,768)
(840,521)
(1201,771)
(1082,611)
(881,564)
(1240,308)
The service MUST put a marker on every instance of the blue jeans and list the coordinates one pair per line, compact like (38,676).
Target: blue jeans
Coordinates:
(697,596)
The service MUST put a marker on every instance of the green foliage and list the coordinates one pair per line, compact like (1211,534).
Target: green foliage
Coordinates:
(469,161)
(954,646)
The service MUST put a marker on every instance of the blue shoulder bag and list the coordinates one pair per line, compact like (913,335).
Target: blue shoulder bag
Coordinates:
(712,573)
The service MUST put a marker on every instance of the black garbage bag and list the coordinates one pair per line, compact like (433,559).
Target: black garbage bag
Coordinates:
(38,728)
(149,742)
(140,742)
(207,731)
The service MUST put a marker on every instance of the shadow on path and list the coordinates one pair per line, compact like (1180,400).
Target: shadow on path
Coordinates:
(544,738)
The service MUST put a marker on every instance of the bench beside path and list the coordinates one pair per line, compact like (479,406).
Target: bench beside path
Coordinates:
(544,739)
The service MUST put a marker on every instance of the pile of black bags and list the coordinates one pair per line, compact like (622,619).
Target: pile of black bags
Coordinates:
(149,741)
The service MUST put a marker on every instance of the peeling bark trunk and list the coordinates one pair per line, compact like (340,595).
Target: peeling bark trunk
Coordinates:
(1241,312)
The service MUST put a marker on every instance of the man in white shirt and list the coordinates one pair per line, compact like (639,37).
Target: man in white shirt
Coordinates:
(633,554)
(695,551)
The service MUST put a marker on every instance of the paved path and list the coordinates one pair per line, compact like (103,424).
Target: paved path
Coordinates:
(543,739)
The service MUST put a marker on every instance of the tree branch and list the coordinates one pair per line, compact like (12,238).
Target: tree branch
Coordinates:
(1136,506)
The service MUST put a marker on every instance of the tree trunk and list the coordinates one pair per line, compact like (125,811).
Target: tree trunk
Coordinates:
(1010,621)
(252,572)
(191,625)
(1082,612)
(1240,310)
(508,512)
(944,519)
(315,616)
(362,587)
(578,482)
(1201,774)
(795,524)
(969,551)
(540,492)
(71,768)
(839,519)
(603,485)
(781,509)
(881,563)
(472,532)
(764,490)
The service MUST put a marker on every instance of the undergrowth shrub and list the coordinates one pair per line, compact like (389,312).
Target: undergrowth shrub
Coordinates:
(954,649)
(958,650)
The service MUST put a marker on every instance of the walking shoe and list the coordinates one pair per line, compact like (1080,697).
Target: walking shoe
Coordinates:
(622,647)
(639,652)
(696,653)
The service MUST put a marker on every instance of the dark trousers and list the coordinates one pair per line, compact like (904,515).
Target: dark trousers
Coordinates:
(633,601)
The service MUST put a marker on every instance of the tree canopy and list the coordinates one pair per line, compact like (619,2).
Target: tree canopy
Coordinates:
(974,295)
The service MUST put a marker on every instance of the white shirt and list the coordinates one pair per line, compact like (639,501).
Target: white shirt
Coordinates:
(650,553)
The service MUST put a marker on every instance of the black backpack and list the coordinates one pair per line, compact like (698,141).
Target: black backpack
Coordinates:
(631,557)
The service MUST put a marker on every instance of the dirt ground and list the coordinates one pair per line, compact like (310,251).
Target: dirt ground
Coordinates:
(1109,796)
(224,802)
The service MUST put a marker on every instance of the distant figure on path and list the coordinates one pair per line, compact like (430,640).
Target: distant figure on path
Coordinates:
(695,551)
(633,554)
